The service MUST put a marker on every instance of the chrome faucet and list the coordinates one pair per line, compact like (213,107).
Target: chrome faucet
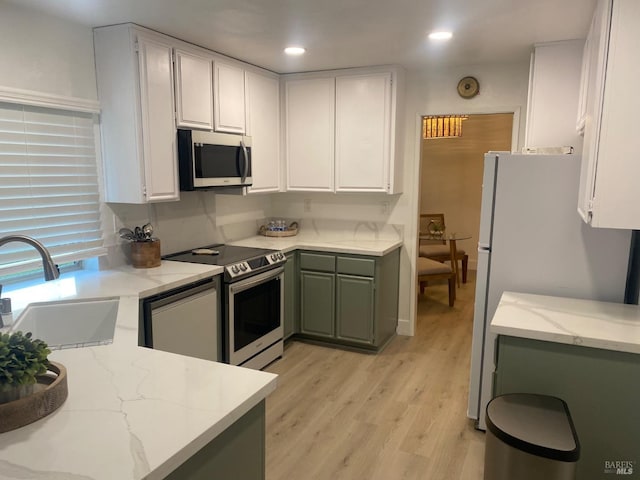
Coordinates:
(51,271)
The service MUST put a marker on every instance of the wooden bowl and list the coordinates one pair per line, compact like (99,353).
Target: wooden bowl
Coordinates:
(51,391)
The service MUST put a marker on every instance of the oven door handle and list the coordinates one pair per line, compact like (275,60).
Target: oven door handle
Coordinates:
(254,281)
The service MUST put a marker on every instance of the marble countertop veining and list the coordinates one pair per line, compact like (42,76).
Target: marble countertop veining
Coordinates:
(123,281)
(589,323)
(132,412)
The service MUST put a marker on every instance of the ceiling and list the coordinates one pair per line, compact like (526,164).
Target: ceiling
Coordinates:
(345,33)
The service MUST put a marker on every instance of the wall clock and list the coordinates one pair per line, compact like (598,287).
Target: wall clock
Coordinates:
(468,87)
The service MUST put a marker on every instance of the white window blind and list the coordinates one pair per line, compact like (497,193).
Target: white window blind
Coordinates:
(48,185)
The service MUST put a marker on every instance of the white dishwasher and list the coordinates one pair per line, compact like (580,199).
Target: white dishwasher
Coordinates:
(184,320)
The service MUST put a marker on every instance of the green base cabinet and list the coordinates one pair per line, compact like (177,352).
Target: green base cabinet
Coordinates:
(601,388)
(355,308)
(237,453)
(291,282)
(317,303)
(350,300)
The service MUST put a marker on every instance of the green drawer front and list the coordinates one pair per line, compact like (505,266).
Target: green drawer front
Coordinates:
(315,261)
(365,267)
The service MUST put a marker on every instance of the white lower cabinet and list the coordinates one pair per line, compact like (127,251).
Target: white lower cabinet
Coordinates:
(341,129)
(263,126)
(135,86)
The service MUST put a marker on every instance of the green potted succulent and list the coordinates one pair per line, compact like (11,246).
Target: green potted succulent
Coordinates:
(22,359)
(436,228)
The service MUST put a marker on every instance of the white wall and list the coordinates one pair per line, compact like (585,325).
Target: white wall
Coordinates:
(372,207)
(46,54)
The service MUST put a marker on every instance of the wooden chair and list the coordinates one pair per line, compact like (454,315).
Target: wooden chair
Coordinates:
(438,250)
(429,270)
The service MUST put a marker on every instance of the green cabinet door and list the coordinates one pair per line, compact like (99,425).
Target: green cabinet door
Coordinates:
(290,296)
(355,308)
(317,303)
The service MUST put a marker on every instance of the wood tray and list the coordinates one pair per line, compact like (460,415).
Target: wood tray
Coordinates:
(51,392)
(280,233)
(289,232)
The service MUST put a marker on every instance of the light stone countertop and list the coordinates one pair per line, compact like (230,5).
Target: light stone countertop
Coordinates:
(588,323)
(323,243)
(132,412)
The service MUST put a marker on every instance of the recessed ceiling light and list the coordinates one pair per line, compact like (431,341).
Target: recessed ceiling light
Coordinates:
(440,35)
(294,50)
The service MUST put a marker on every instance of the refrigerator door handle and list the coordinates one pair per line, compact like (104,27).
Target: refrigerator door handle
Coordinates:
(484,247)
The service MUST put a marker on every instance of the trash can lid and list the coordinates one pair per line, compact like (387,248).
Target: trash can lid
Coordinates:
(536,424)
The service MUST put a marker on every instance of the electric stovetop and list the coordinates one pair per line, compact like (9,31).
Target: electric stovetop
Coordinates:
(222,255)
(238,262)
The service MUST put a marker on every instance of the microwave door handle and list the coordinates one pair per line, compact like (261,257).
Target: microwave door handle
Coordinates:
(246,161)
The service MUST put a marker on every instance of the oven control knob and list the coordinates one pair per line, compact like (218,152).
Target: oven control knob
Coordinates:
(243,267)
(280,255)
(235,269)
(274,257)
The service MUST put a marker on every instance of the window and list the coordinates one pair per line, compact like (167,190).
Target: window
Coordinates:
(48,185)
(442,126)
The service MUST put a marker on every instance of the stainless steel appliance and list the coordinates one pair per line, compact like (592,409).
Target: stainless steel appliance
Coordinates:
(532,240)
(184,320)
(252,310)
(209,159)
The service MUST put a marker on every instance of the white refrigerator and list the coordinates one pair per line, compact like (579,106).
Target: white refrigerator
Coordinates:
(532,240)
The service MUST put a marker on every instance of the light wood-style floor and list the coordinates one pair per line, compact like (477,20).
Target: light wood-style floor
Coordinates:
(400,414)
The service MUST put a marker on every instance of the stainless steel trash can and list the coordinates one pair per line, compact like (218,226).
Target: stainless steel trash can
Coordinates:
(530,437)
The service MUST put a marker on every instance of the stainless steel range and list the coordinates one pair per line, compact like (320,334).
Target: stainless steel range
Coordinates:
(253,301)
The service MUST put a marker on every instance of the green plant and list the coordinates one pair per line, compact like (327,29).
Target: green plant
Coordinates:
(435,227)
(21,359)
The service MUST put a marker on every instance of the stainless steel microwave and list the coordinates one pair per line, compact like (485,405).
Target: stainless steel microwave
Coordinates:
(210,159)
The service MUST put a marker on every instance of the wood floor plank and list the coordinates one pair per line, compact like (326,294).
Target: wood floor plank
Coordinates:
(401,414)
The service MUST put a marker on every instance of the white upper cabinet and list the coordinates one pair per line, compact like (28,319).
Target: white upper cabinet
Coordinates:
(309,116)
(554,83)
(363,132)
(134,70)
(609,195)
(263,126)
(194,90)
(341,130)
(229,98)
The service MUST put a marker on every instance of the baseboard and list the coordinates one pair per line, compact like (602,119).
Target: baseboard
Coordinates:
(404,327)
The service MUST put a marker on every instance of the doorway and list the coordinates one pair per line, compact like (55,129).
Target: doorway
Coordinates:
(451,173)
(451,176)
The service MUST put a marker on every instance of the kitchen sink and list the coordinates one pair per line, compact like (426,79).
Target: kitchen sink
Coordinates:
(70,324)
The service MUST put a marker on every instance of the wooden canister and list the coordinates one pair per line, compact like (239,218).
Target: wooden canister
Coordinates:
(145,254)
